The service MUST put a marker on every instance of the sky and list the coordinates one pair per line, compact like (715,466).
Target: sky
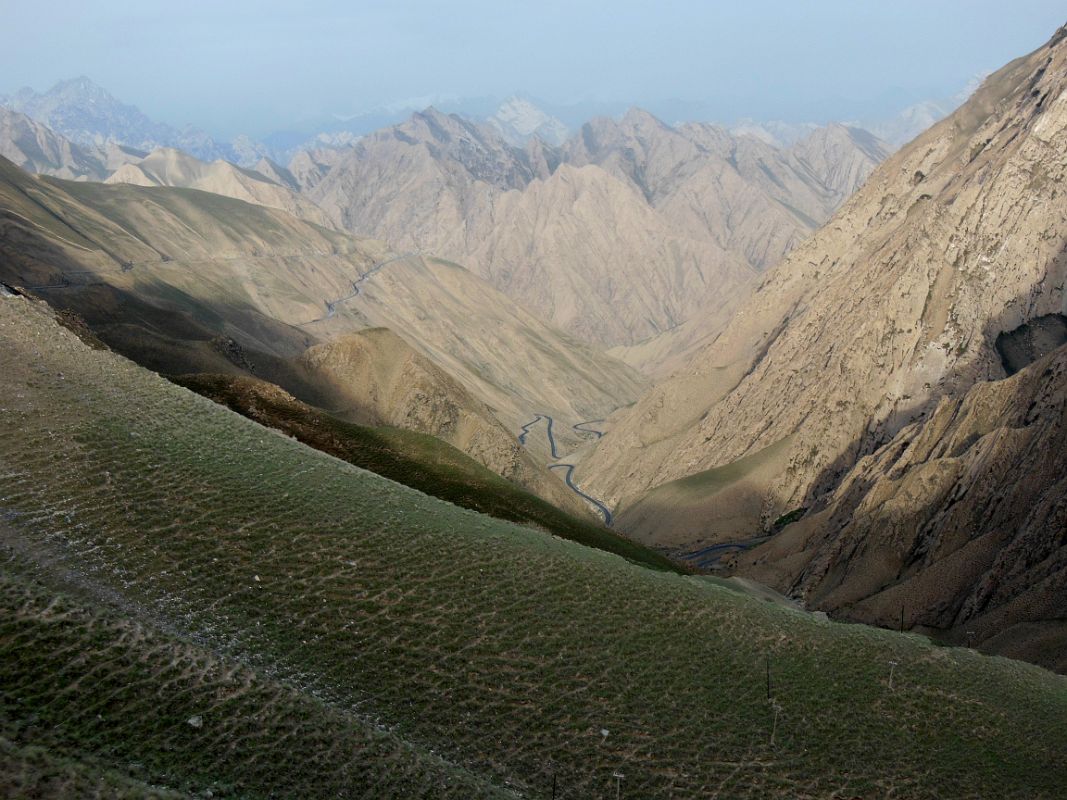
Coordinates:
(238,66)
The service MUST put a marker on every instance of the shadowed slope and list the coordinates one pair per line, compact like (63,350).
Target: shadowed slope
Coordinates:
(957,523)
(188,281)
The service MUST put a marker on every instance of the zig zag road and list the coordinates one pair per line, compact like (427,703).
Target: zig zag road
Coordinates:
(605,512)
(551,437)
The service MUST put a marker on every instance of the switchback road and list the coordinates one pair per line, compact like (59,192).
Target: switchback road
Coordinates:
(524,432)
(580,427)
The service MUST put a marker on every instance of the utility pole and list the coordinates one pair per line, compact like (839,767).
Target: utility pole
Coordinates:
(553,786)
(618,776)
(902,618)
(768,678)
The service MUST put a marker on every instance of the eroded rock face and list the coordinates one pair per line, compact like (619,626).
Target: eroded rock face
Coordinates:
(959,523)
(894,303)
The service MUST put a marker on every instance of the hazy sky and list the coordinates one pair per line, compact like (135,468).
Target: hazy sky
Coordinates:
(241,66)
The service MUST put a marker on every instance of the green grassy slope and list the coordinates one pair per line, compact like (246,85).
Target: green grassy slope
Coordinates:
(83,688)
(501,650)
(34,771)
(414,459)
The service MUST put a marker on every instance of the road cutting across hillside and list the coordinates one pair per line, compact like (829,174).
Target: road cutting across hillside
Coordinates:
(331,305)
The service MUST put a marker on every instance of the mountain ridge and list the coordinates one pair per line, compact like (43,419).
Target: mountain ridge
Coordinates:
(450,186)
(933,188)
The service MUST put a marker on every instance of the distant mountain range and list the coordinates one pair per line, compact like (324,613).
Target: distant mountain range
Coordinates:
(91,117)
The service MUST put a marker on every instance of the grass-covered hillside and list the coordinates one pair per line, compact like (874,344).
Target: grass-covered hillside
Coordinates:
(414,459)
(197,603)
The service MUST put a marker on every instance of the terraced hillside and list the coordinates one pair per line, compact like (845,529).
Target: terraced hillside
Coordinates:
(194,602)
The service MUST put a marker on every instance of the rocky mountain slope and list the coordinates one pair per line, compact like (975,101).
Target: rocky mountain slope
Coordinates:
(895,303)
(841,157)
(187,281)
(511,359)
(260,619)
(373,377)
(957,523)
(166,166)
(620,234)
(749,197)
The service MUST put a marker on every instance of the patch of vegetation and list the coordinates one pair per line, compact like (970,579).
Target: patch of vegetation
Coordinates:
(95,706)
(700,484)
(788,519)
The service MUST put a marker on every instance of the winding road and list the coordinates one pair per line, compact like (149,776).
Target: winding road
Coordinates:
(707,557)
(551,436)
(524,432)
(605,512)
(579,427)
(331,305)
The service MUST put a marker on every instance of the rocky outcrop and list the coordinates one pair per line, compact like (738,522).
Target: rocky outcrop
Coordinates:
(957,526)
